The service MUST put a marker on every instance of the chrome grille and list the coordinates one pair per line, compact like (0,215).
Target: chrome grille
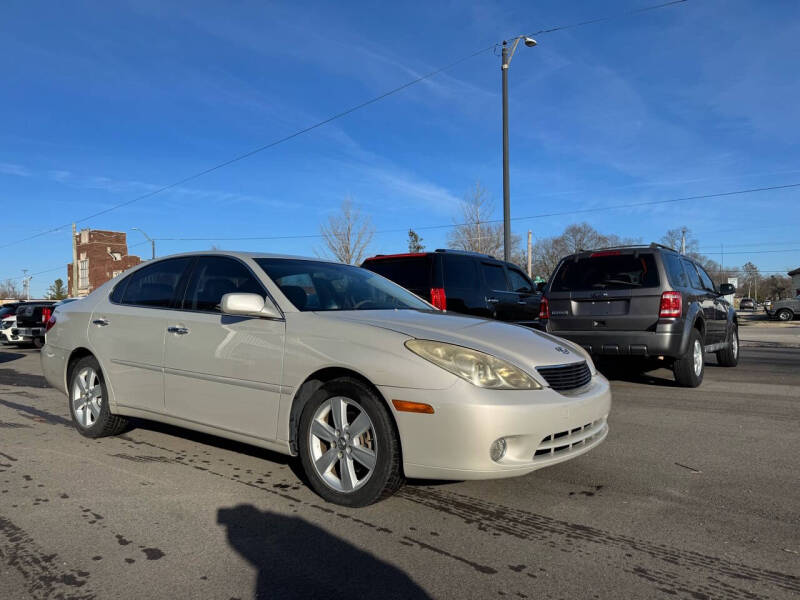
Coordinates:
(566,377)
(572,440)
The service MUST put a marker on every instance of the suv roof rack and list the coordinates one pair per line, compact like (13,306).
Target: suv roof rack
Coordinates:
(627,246)
(464,252)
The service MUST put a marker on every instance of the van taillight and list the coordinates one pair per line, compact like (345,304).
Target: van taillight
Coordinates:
(671,305)
(50,322)
(544,309)
(438,298)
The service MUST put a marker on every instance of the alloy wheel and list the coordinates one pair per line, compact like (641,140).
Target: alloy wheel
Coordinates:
(698,358)
(87,397)
(342,444)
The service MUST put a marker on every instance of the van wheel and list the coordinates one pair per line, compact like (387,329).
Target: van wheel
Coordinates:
(88,401)
(349,446)
(729,357)
(689,368)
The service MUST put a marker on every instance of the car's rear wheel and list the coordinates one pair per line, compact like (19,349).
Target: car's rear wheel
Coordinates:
(729,357)
(349,446)
(88,401)
(785,314)
(690,367)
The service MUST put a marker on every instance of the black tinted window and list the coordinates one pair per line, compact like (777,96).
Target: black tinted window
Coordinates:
(495,276)
(677,275)
(215,276)
(518,281)
(154,285)
(606,271)
(460,272)
(691,272)
(412,272)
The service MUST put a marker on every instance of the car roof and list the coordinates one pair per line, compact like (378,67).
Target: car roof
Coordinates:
(245,254)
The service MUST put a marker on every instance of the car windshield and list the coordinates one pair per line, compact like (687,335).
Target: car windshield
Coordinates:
(606,271)
(320,286)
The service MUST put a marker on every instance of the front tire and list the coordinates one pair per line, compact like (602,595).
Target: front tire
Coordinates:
(349,446)
(690,368)
(785,314)
(88,401)
(729,357)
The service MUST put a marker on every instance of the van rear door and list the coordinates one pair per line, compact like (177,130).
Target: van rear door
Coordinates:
(614,290)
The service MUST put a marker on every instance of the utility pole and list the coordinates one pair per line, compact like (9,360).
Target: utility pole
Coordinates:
(26,284)
(506,61)
(530,235)
(683,240)
(74,291)
(152,241)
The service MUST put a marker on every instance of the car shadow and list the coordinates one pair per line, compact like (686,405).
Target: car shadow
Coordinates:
(642,373)
(10,356)
(296,559)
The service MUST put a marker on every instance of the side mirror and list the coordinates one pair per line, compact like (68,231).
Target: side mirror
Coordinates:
(726,289)
(249,305)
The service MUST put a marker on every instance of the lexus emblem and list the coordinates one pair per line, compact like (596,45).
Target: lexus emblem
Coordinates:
(562,350)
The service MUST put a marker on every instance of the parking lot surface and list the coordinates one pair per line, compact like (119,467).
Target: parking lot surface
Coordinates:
(695,494)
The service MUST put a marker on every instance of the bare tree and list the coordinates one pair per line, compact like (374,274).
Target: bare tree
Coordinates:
(415,242)
(474,232)
(347,234)
(672,238)
(9,289)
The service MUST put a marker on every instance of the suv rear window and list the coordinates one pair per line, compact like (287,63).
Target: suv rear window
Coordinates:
(610,271)
(412,272)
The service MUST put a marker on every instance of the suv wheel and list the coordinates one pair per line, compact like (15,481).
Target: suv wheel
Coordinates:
(349,447)
(729,357)
(784,314)
(689,368)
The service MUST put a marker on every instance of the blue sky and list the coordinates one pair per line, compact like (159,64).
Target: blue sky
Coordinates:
(105,101)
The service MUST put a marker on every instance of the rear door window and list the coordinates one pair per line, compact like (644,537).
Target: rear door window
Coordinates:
(215,276)
(460,272)
(495,276)
(410,272)
(155,285)
(607,272)
(518,281)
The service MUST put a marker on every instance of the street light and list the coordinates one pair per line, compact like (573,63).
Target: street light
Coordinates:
(152,241)
(507,56)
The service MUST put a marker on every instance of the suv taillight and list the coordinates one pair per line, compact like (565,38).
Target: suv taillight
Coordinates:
(544,309)
(438,298)
(50,322)
(46,313)
(671,305)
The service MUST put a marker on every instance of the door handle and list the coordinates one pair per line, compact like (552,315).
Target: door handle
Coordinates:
(178,330)
(492,300)
(521,302)
(100,322)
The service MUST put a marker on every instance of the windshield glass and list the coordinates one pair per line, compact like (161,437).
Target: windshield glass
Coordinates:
(608,271)
(311,285)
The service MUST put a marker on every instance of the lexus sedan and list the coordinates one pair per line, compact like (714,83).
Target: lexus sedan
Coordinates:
(364,381)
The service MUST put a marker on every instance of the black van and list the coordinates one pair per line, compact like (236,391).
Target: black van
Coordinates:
(643,301)
(464,282)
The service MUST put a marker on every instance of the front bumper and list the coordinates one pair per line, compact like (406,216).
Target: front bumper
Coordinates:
(454,442)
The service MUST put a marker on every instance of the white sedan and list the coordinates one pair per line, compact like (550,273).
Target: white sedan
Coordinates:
(363,380)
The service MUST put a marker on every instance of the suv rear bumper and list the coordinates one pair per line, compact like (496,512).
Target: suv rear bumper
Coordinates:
(626,343)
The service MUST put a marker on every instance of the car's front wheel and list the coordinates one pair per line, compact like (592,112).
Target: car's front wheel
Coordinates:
(349,446)
(690,367)
(785,314)
(88,401)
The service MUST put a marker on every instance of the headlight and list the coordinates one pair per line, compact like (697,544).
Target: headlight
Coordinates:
(482,370)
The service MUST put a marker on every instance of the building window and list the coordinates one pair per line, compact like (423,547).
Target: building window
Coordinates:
(83,274)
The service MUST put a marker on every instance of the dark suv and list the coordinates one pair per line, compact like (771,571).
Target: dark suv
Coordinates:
(464,282)
(643,301)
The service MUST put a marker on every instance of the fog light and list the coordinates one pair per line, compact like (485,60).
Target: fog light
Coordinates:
(498,449)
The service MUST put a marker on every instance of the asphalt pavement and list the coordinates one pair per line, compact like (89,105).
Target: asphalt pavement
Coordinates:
(695,494)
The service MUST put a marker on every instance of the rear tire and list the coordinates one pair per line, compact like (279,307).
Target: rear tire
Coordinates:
(350,470)
(690,367)
(729,357)
(785,314)
(88,401)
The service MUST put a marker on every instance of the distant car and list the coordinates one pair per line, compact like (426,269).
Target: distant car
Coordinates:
(747,304)
(32,318)
(10,309)
(6,325)
(784,310)
(643,301)
(464,282)
(362,379)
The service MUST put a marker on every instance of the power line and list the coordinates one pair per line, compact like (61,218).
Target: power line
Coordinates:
(335,117)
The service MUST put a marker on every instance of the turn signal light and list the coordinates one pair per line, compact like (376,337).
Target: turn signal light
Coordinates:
(544,309)
(438,298)
(671,305)
(415,407)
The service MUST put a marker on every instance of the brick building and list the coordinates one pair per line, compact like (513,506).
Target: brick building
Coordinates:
(101,256)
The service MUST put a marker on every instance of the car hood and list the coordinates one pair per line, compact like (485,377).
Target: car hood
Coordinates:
(522,346)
